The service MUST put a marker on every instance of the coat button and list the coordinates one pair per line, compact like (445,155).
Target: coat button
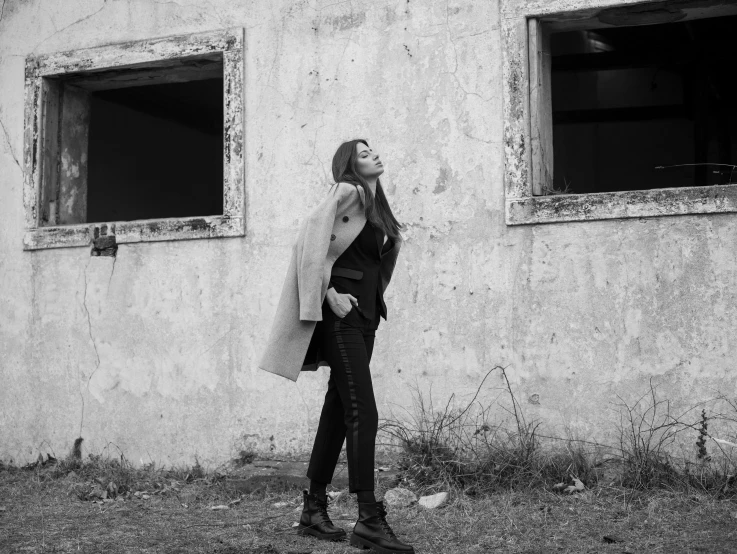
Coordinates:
(332,237)
(345,219)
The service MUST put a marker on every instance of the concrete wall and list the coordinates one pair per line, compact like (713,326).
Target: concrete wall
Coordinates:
(155,351)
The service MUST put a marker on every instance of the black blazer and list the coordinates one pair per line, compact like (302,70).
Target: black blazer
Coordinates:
(356,271)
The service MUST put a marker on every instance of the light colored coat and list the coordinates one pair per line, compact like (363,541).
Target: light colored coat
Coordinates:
(326,233)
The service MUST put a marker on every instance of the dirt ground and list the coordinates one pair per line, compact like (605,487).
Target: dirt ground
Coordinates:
(43,514)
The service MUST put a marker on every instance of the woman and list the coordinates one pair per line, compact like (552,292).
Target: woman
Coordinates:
(328,314)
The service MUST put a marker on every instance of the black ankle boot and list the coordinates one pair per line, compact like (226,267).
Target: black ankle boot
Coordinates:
(372,531)
(315,520)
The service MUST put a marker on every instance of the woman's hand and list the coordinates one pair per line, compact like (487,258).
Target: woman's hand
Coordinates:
(341,304)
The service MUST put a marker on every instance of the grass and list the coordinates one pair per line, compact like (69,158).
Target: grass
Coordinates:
(462,447)
(635,496)
(43,513)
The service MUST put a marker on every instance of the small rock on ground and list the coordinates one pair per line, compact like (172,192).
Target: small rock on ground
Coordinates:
(434,500)
(399,497)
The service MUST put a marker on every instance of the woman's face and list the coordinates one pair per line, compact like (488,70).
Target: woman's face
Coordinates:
(368,164)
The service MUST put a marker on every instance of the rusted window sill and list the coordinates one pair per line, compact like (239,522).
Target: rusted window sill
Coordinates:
(621,205)
(148,230)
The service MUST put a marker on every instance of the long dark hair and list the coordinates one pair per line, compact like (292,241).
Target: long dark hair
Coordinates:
(376,207)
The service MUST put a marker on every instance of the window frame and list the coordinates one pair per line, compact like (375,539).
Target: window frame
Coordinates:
(527,114)
(138,54)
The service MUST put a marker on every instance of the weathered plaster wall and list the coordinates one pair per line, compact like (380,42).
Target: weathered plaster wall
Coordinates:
(155,351)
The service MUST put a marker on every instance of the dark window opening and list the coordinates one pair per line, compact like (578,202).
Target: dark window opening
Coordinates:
(156,151)
(644,107)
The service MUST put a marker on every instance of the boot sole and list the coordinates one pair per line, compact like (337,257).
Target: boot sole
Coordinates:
(360,542)
(322,536)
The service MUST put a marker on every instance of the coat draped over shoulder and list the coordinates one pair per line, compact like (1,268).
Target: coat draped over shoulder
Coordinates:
(324,235)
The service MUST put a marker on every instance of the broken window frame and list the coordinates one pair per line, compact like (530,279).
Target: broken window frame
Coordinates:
(528,119)
(154,58)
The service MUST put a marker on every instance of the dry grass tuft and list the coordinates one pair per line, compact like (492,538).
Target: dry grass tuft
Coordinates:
(461,448)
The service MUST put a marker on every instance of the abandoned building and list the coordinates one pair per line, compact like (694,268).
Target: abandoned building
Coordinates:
(564,169)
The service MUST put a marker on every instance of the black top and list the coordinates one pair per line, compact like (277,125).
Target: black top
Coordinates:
(356,271)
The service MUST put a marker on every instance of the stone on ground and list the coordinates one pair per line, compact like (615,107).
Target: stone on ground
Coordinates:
(434,500)
(399,497)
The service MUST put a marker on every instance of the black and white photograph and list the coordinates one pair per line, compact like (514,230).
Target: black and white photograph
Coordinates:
(391,276)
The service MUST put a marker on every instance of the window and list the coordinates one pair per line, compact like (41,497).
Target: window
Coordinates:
(620,111)
(156,151)
(143,141)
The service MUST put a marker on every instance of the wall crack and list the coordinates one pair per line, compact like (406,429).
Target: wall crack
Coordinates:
(85,18)
(92,338)
(112,270)
(455,57)
(7,139)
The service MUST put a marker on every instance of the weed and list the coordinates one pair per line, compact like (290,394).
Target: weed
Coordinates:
(646,429)
(462,448)
(701,441)
(103,476)
(550,189)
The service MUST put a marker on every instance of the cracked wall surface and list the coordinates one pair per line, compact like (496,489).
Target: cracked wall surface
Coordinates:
(154,351)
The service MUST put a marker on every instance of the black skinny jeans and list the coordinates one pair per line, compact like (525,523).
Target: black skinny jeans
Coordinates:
(349,412)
